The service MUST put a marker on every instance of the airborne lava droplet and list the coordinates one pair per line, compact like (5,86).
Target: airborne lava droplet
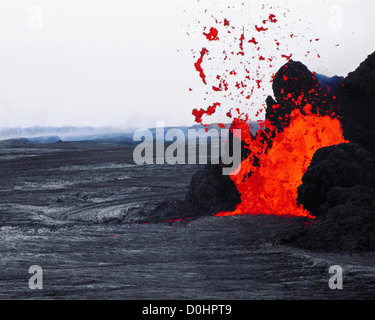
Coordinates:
(242,38)
(272,17)
(212,35)
(259,29)
(199,113)
(287,57)
(252,40)
(198,65)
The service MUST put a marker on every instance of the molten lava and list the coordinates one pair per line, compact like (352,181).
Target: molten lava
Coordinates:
(198,66)
(212,35)
(270,187)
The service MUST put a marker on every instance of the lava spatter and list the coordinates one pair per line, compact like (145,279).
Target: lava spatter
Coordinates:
(261,28)
(199,113)
(198,65)
(212,35)
(242,38)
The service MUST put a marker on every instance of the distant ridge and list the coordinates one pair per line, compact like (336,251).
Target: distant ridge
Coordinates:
(77,134)
(329,83)
(39,131)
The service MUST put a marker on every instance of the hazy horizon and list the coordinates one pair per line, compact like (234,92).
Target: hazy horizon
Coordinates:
(120,64)
(83,131)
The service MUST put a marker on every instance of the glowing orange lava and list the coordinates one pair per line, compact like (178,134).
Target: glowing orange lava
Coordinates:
(272,186)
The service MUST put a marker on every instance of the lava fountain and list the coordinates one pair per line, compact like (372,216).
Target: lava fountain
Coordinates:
(277,159)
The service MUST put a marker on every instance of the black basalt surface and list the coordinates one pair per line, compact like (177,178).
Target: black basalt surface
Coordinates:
(102,227)
(82,212)
(338,188)
(356,104)
(345,165)
(210,191)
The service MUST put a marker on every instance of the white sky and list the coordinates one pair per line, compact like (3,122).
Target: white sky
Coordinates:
(130,63)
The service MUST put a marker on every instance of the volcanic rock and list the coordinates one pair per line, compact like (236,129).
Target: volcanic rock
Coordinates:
(338,188)
(348,224)
(170,211)
(293,78)
(292,82)
(345,165)
(210,191)
(356,102)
